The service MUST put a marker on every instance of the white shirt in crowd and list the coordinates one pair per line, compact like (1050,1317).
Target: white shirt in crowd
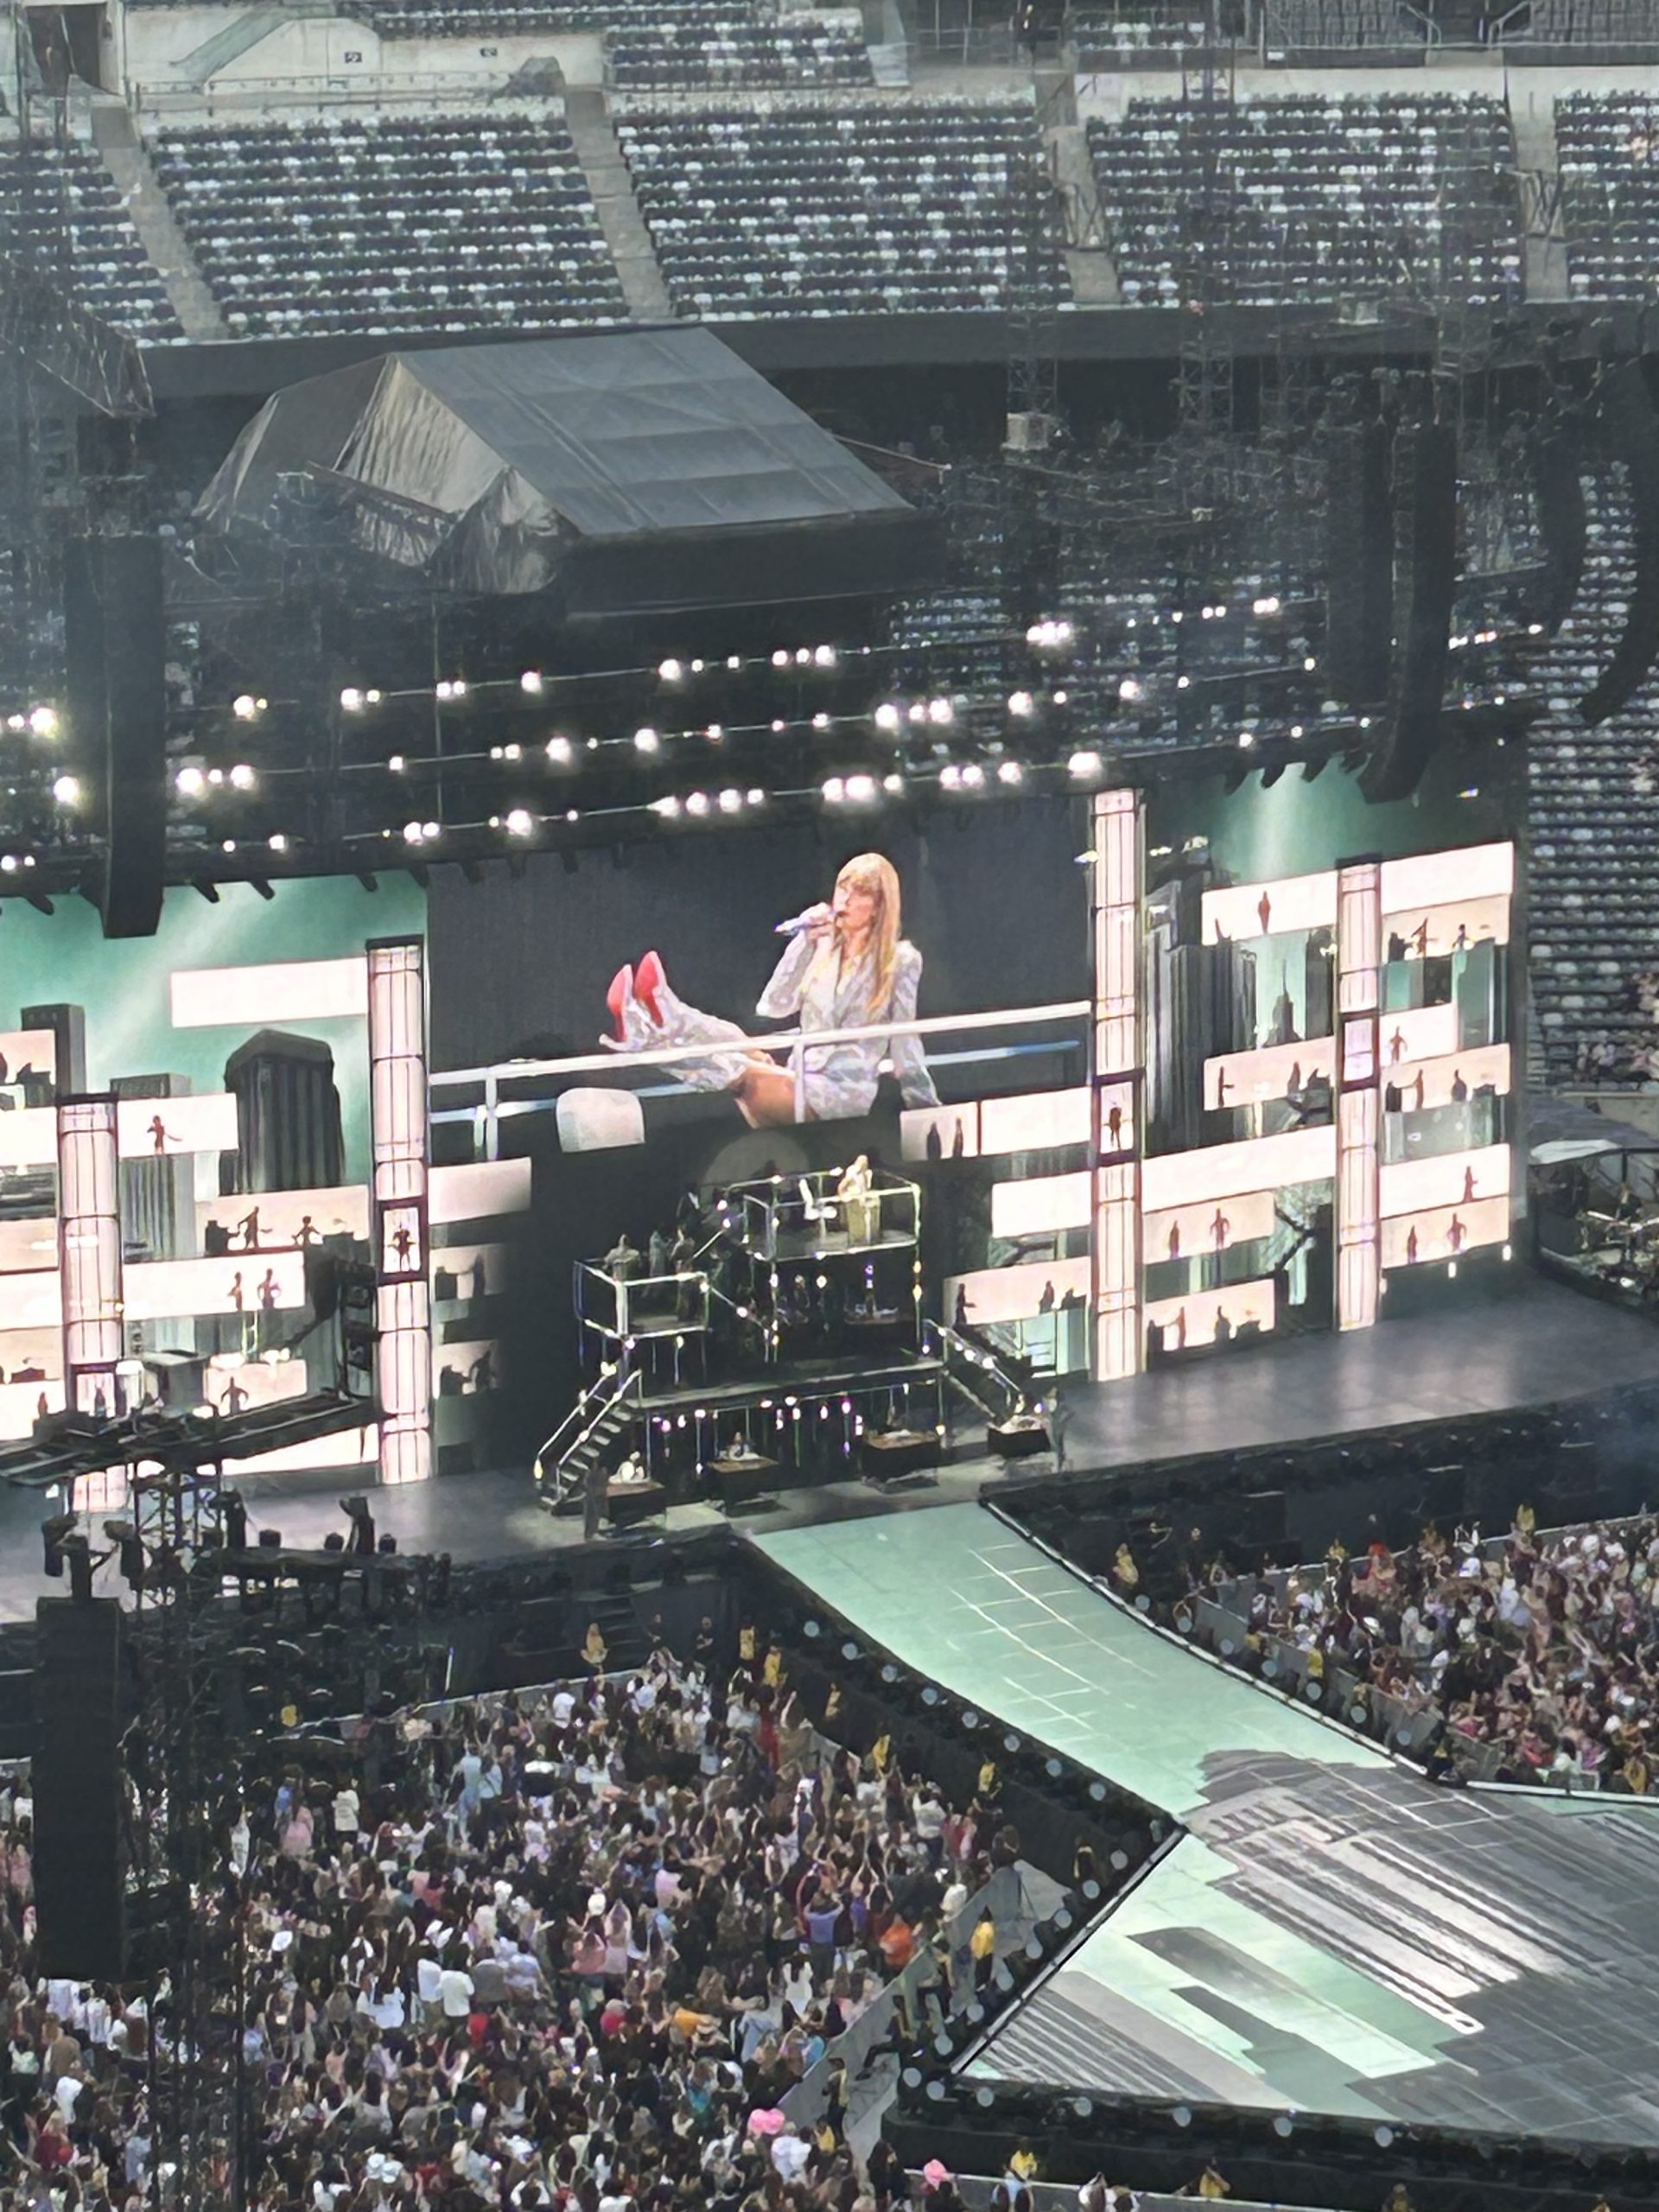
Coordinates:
(455,1992)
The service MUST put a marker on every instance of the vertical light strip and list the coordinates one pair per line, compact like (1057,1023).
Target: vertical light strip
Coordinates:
(1116,821)
(89,1253)
(397,1121)
(1359,955)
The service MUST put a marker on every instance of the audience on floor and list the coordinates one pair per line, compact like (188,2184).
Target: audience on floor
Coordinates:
(567,1947)
(1546,1645)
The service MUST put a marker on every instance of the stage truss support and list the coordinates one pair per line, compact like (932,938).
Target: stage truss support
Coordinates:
(397,1081)
(1118,831)
(89,1254)
(1359,954)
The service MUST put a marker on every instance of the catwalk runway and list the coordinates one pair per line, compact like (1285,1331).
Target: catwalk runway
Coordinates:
(1332,1934)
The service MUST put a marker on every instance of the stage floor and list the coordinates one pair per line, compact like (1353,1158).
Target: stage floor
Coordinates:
(1332,1933)
(1543,1341)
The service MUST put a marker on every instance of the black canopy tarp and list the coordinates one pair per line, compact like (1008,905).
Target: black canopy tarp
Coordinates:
(631,469)
(1566,1128)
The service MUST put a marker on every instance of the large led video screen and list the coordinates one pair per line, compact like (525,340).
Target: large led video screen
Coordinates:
(1303,952)
(947,966)
(242,1129)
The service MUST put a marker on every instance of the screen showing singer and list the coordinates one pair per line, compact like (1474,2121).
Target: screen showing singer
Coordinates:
(846,966)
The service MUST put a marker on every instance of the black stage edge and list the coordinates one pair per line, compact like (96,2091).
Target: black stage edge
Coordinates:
(1224,1429)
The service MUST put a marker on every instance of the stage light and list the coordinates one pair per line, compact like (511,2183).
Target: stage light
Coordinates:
(1086,763)
(277,842)
(1264,606)
(448,688)
(715,732)
(893,782)
(667,807)
(43,720)
(1247,738)
(646,741)
(243,777)
(824,656)
(1130,691)
(820,722)
(886,716)
(531,680)
(803,656)
(396,764)
(521,822)
(833,790)
(350,700)
(413,833)
(973,776)
(558,750)
(9,862)
(941,712)
(1060,697)
(671,672)
(1021,705)
(697,802)
(66,790)
(730,802)
(778,728)
(216,776)
(757,799)
(862,790)
(190,781)
(1009,772)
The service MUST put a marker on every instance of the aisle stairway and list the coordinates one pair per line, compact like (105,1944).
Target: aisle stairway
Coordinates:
(589,123)
(116,138)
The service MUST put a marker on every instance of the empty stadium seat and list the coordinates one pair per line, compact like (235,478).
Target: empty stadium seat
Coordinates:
(881,207)
(391,223)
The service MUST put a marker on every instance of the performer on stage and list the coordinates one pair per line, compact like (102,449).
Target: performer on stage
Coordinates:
(845,967)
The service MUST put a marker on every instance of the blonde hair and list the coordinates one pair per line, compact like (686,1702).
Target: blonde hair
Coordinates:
(875,872)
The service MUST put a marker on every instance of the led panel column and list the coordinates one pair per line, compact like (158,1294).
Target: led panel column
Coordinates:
(89,1253)
(397,1121)
(1117,1238)
(1359,955)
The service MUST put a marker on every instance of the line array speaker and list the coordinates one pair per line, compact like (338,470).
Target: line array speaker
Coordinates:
(1632,437)
(1359,561)
(115,651)
(1425,583)
(79,1877)
(1558,487)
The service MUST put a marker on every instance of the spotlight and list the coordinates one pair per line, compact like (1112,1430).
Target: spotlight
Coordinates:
(1086,763)
(1130,691)
(242,776)
(245,706)
(43,720)
(66,790)
(189,781)
(531,680)
(646,741)
(521,822)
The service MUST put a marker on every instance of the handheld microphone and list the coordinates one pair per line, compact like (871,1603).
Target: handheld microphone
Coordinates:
(795,922)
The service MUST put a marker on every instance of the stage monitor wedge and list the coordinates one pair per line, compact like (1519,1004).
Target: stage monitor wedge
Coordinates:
(115,655)
(1630,431)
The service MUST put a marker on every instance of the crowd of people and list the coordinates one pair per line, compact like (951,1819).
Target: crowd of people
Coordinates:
(569,1950)
(1546,1646)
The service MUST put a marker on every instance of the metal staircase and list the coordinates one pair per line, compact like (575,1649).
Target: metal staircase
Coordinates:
(974,1372)
(600,1417)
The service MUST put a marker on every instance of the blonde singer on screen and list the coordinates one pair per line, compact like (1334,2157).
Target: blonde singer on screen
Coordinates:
(845,967)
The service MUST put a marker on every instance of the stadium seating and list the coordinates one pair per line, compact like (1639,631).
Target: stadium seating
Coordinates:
(1607,146)
(806,210)
(66,188)
(1594,809)
(1344,22)
(750,51)
(1319,197)
(387,224)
